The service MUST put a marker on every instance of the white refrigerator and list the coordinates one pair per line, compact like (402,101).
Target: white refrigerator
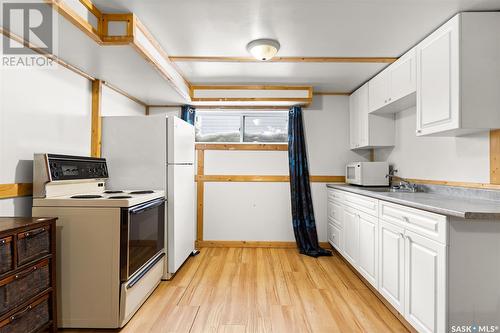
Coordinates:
(156,153)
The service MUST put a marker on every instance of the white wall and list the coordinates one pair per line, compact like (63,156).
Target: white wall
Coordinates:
(40,111)
(115,104)
(155,111)
(437,158)
(46,111)
(261,211)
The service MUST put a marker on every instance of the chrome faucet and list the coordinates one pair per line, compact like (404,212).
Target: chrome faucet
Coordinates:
(404,184)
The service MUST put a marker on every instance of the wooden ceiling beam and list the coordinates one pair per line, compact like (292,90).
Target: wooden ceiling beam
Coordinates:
(385,60)
(331,93)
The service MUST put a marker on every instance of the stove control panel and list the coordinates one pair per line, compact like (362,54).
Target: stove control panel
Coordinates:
(62,167)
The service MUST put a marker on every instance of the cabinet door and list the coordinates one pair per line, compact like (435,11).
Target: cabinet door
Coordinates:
(402,77)
(353,120)
(335,214)
(362,106)
(425,281)
(351,227)
(378,91)
(368,248)
(438,80)
(391,271)
(335,237)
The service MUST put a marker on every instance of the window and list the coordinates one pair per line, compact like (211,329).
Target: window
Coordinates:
(225,126)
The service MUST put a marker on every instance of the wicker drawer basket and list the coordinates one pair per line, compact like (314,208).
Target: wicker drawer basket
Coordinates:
(24,285)
(29,319)
(6,255)
(33,244)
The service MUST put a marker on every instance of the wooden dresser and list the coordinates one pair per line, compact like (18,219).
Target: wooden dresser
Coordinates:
(27,275)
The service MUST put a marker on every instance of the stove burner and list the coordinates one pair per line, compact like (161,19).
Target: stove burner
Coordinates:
(120,197)
(86,196)
(142,192)
(112,192)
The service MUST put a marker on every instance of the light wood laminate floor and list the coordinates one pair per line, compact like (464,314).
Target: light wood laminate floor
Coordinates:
(262,290)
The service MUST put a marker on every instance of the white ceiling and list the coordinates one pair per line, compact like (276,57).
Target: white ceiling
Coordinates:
(319,28)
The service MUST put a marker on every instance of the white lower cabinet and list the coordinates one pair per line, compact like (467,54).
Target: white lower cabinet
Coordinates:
(335,237)
(425,279)
(351,230)
(407,268)
(368,247)
(391,264)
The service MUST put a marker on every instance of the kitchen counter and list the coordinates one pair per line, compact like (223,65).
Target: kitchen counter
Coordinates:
(458,206)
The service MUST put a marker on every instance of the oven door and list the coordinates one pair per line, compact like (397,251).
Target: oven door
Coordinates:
(353,174)
(142,236)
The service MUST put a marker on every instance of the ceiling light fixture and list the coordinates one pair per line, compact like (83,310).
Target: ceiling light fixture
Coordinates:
(263,49)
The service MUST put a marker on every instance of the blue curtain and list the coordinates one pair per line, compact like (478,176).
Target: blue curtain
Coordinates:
(188,113)
(304,224)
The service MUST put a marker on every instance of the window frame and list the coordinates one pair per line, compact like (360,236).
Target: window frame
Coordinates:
(243,115)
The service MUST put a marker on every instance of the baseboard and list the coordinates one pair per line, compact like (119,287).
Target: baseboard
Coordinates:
(252,244)
(379,296)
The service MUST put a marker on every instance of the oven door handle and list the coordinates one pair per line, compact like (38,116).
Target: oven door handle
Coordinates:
(148,205)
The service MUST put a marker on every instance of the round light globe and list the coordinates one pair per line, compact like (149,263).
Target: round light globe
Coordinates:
(263,49)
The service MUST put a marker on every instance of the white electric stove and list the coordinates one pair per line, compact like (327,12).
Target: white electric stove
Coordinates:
(110,244)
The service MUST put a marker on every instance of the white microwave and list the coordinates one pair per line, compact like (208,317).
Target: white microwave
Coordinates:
(367,173)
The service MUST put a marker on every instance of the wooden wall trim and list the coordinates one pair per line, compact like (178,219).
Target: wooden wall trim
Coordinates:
(54,58)
(495,157)
(123,93)
(200,195)
(242,146)
(95,136)
(76,19)
(248,87)
(252,244)
(265,178)
(331,93)
(129,18)
(455,183)
(385,60)
(15,190)
(67,65)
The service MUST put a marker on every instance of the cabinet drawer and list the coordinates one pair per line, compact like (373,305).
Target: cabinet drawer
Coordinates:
(23,285)
(28,319)
(364,204)
(6,257)
(335,237)
(427,224)
(33,244)
(335,213)
(335,195)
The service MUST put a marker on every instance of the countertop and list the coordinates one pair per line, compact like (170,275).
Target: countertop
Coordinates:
(463,207)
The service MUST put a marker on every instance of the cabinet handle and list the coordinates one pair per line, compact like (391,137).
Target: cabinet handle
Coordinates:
(409,239)
(389,98)
(406,219)
(401,235)
(419,131)
(385,101)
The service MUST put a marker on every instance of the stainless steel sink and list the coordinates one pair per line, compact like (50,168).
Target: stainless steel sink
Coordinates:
(393,190)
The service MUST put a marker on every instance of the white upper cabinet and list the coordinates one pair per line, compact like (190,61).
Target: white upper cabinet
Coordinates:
(366,130)
(379,91)
(458,76)
(403,80)
(393,90)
